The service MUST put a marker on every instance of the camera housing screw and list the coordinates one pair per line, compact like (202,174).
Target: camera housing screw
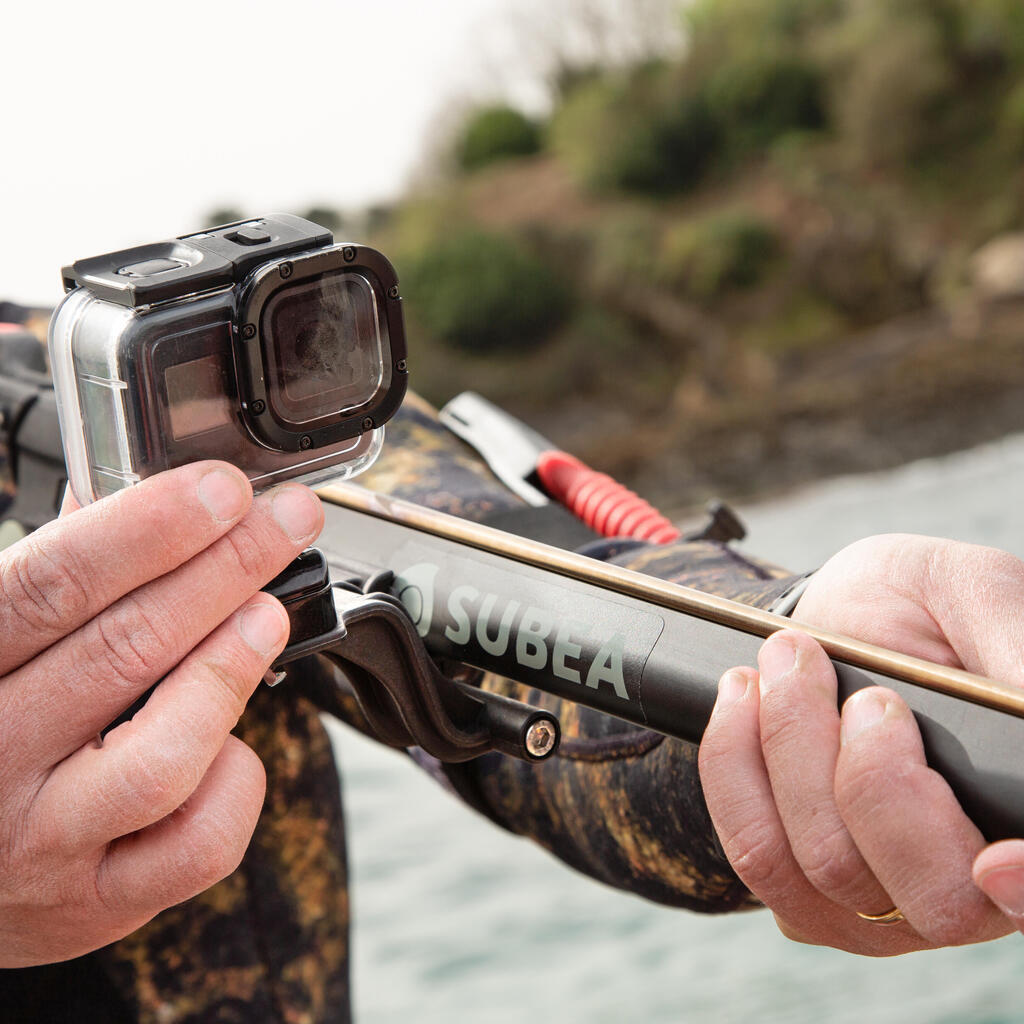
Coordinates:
(401,366)
(368,423)
(285,270)
(393,292)
(348,253)
(305,441)
(249,332)
(258,406)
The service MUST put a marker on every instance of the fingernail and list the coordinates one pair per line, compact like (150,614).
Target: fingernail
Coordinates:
(776,659)
(1005,888)
(731,687)
(224,495)
(298,512)
(862,711)
(263,627)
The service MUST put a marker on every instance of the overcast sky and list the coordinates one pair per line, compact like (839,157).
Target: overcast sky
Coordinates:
(126,123)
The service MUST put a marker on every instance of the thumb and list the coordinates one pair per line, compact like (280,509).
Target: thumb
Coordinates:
(976,596)
(999,874)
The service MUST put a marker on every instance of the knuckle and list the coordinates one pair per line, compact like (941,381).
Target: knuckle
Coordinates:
(37,839)
(155,781)
(761,859)
(834,867)
(216,851)
(713,755)
(215,836)
(210,850)
(233,676)
(251,550)
(107,890)
(863,789)
(43,584)
(128,642)
(779,728)
(22,841)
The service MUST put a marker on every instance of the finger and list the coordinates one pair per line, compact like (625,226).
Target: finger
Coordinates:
(999,873)
(185,853)
(147,767)
(77,687)
(741,803)
(68,571)
(799,724)
(908,824)
(742,808)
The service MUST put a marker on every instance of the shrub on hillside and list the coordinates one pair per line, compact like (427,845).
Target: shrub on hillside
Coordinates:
(641,132)
(761,98)
(494,134)
(720,251)
(482,292)
(897,81)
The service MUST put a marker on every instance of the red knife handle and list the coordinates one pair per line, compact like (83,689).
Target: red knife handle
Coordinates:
(602,503)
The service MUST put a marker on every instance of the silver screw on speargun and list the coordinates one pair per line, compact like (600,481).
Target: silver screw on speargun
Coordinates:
(541,738)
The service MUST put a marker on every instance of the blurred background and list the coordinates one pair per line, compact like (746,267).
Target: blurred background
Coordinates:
(716,246)
(724,247)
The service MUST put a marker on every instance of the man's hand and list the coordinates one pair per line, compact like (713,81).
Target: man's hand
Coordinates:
(826,815)
(156,584)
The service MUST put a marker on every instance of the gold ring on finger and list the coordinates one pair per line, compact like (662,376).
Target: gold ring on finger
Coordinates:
(893,916)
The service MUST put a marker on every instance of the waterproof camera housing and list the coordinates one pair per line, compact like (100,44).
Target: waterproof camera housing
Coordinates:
(261,343)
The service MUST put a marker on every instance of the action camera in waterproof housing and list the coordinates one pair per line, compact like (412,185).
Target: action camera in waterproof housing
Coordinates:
(261,343)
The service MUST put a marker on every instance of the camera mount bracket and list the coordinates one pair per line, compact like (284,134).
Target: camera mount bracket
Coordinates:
(406,698)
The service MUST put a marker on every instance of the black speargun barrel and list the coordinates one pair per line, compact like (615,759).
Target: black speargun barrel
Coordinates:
(648,651)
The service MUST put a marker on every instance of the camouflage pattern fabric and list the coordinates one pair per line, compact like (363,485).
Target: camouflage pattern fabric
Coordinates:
(270,943)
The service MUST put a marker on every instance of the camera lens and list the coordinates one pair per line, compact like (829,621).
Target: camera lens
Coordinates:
(322,348)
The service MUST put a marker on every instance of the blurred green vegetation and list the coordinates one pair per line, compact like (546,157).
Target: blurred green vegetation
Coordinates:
(496,133)
(636,131)
(708,255)
(481,292)
(682,231)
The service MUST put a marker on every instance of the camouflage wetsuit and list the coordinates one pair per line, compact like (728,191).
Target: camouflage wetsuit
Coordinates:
(270,943)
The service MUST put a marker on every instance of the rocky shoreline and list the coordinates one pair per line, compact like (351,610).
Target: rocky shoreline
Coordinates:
(924,384)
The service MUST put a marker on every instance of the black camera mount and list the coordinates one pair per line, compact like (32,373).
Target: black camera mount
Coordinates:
(406,698)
